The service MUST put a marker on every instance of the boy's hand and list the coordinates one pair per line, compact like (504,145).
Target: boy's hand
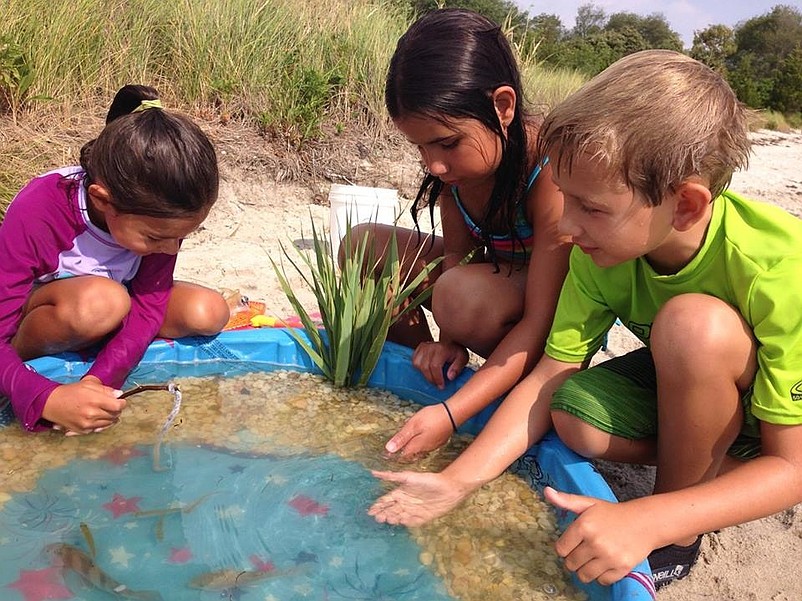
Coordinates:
(83,407)
(419,498)
(605,542)
(431,357)
(429,429)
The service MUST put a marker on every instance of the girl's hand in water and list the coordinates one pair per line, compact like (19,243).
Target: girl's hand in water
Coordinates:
(84,406)
(427,430)
(419,498)
(431,358)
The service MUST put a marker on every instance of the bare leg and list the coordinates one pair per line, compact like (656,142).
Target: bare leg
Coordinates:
(704,356)
(70,314)
(416,252)
(476,307)
(194,310)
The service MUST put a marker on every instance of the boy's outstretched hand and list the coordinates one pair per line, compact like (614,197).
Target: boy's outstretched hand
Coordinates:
(606,541)
(419,498)
(83,407)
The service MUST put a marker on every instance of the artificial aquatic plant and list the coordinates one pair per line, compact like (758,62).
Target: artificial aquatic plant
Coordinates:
(356,307)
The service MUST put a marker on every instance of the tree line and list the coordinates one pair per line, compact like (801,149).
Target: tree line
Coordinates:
(761,57)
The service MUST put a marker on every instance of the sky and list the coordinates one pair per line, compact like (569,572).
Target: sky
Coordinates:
(683,16)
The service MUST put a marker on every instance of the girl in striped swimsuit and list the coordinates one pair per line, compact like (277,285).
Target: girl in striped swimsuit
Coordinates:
(454,90)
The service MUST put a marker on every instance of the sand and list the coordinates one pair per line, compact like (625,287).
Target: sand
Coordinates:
(256,216)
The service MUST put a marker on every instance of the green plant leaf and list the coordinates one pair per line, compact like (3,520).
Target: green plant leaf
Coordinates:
(357,307)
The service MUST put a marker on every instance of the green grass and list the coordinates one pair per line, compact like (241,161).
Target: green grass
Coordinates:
(777,121)
(288,67)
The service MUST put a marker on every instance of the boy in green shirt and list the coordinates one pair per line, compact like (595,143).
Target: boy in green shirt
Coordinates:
(712,288)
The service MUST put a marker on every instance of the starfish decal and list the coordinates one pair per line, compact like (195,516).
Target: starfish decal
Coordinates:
(260,565)
(180,555)
(121,505)
(307,506)
(120,556)
(38,585)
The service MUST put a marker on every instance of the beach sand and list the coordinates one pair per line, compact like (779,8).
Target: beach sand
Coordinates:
(257,215)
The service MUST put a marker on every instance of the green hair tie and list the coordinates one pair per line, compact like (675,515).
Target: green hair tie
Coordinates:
(148,104)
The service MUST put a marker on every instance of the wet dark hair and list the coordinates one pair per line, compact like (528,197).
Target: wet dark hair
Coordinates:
(447,66)
(153,162)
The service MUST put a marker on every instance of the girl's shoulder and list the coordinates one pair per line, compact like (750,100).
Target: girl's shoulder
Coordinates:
(44,186)
(46,196)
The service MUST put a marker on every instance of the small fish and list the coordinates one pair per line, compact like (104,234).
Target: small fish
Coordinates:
(188,508)
(90,540)
(73,558)
(222,580)
(161,513)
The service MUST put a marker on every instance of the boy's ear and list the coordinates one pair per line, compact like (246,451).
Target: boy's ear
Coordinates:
(692,201)
(504,99)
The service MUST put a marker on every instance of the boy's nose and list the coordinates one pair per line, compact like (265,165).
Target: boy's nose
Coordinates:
(567,226)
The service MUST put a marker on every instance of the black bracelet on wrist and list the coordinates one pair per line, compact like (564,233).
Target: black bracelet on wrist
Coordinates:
(450,417)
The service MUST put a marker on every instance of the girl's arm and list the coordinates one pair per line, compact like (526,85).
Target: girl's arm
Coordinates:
(523,346)
(37,226)
(150,293)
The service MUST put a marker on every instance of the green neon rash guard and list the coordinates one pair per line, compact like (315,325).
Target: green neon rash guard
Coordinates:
(751,258)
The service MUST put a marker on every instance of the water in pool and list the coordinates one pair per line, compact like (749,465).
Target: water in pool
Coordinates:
(260,493)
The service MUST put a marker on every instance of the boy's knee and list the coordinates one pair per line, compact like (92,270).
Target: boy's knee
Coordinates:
(697,332)
(698,323)
(578,435)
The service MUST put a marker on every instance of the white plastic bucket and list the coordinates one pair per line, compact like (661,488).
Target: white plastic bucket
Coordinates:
(359,204)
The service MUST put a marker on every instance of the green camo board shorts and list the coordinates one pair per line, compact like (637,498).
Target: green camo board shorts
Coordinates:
(619,396)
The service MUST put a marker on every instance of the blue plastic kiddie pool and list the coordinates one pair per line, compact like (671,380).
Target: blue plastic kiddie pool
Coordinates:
(547,463)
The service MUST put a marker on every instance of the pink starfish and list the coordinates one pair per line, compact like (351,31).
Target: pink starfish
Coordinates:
(180,555)
(260,565)
(307,506)
(37,585)
(121,505)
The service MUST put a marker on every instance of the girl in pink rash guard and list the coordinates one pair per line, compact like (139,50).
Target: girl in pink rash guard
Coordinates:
(88,254)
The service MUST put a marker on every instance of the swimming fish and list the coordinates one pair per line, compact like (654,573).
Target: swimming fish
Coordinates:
(90,540)
(188,508)
(222,580)
(161,513)
(75,559)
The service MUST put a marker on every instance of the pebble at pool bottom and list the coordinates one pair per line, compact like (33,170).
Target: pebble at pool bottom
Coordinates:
(224,519)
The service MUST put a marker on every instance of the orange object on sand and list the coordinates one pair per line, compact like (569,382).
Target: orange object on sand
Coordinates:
(242,317)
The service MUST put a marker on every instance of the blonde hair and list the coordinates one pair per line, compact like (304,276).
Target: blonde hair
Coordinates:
(653,119)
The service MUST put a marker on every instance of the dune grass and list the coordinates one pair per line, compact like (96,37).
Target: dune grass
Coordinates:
(292,68)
